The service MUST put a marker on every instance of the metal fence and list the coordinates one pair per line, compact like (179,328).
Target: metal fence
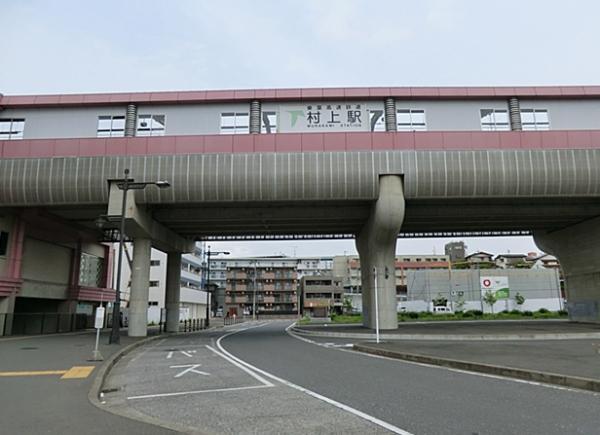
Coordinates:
(43,323)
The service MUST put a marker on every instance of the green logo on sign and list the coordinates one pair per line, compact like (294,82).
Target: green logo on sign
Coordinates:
(295,115)
(502,293)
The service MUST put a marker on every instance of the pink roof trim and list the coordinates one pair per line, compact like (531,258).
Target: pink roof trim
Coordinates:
(245,95)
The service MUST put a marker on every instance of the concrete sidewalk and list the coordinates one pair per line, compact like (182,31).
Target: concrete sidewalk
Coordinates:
(34,403)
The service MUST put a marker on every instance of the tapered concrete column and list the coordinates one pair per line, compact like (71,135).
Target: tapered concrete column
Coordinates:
(140,283)
(578,250)
(172,297)
(376,244)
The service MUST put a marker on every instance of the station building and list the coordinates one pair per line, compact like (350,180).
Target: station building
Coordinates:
(54,259)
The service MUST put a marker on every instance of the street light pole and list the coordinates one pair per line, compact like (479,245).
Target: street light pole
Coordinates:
(208,298)
(125,185)
(115,333)
(254,293)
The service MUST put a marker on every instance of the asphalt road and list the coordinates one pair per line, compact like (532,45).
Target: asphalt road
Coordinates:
(416,398)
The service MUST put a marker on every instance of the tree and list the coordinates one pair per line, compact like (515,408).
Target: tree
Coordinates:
(347,305)
(440,301)
(490,299)
(519,299)
(459,304)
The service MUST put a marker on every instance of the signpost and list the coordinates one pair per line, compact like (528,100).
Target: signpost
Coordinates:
(376,307)
(98,324)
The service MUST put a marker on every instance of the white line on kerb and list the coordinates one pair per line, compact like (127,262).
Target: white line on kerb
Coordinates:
(335,403)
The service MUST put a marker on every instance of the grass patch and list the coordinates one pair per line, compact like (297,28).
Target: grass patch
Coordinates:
(465,315)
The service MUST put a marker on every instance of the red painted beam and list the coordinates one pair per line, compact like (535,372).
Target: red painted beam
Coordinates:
(300,142)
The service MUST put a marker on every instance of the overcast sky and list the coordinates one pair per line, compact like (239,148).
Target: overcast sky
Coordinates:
(82,46)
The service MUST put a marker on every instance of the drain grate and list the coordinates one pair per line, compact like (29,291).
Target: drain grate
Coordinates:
(29,348)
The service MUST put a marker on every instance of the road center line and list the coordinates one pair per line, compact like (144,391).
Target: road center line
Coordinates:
(335,403)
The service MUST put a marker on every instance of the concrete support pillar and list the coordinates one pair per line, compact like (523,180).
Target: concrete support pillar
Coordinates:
(172,297)
(255,116)
(130,120)
(578,250)
(7,309)
(514,114)
(376,244)
(390,115)
(140,283)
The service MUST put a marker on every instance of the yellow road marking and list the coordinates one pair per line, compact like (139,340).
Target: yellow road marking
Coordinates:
(33,373)
(75,372)
(78,372)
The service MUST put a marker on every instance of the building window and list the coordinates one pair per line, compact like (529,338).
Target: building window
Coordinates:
(91,270)
(111,126)
(11,129)
(235,123)
(535,119)
(3,242)
(154,283)
(411,120)
(494,120)
(151,125)
(269,122)
(154,262)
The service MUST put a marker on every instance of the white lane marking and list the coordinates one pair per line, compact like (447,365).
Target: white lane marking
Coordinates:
(188,353)
(451,369)
(335,403)
(186,393)
(238,365)
(170,355)
(191,368)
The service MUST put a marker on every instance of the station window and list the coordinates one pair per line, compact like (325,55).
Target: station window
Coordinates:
(411,120)
(154,262)
(235,123)
(269,122)
(154,283)
(535,119)
(377,120)
(494,120)
(151,125)
(111,126)
(11,129)
(3,242)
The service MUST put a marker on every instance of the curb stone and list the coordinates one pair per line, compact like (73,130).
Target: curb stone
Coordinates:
(528,375)
(447,337)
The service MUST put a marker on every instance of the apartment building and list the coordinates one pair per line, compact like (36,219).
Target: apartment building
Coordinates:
(321,295)
(192,292)
(268,283)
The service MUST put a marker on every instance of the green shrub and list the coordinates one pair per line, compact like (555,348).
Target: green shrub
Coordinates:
(543,310)
(563,313)
(504,312)
(527,313)
(413,315)
(477,313)
(468,314)
(515,312)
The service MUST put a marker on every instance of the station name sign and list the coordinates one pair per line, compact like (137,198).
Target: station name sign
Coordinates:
(324,116)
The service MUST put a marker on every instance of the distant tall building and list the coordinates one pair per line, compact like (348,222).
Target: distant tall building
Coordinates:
(456,251)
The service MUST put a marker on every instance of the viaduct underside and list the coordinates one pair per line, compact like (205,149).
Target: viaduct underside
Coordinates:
(373,195)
